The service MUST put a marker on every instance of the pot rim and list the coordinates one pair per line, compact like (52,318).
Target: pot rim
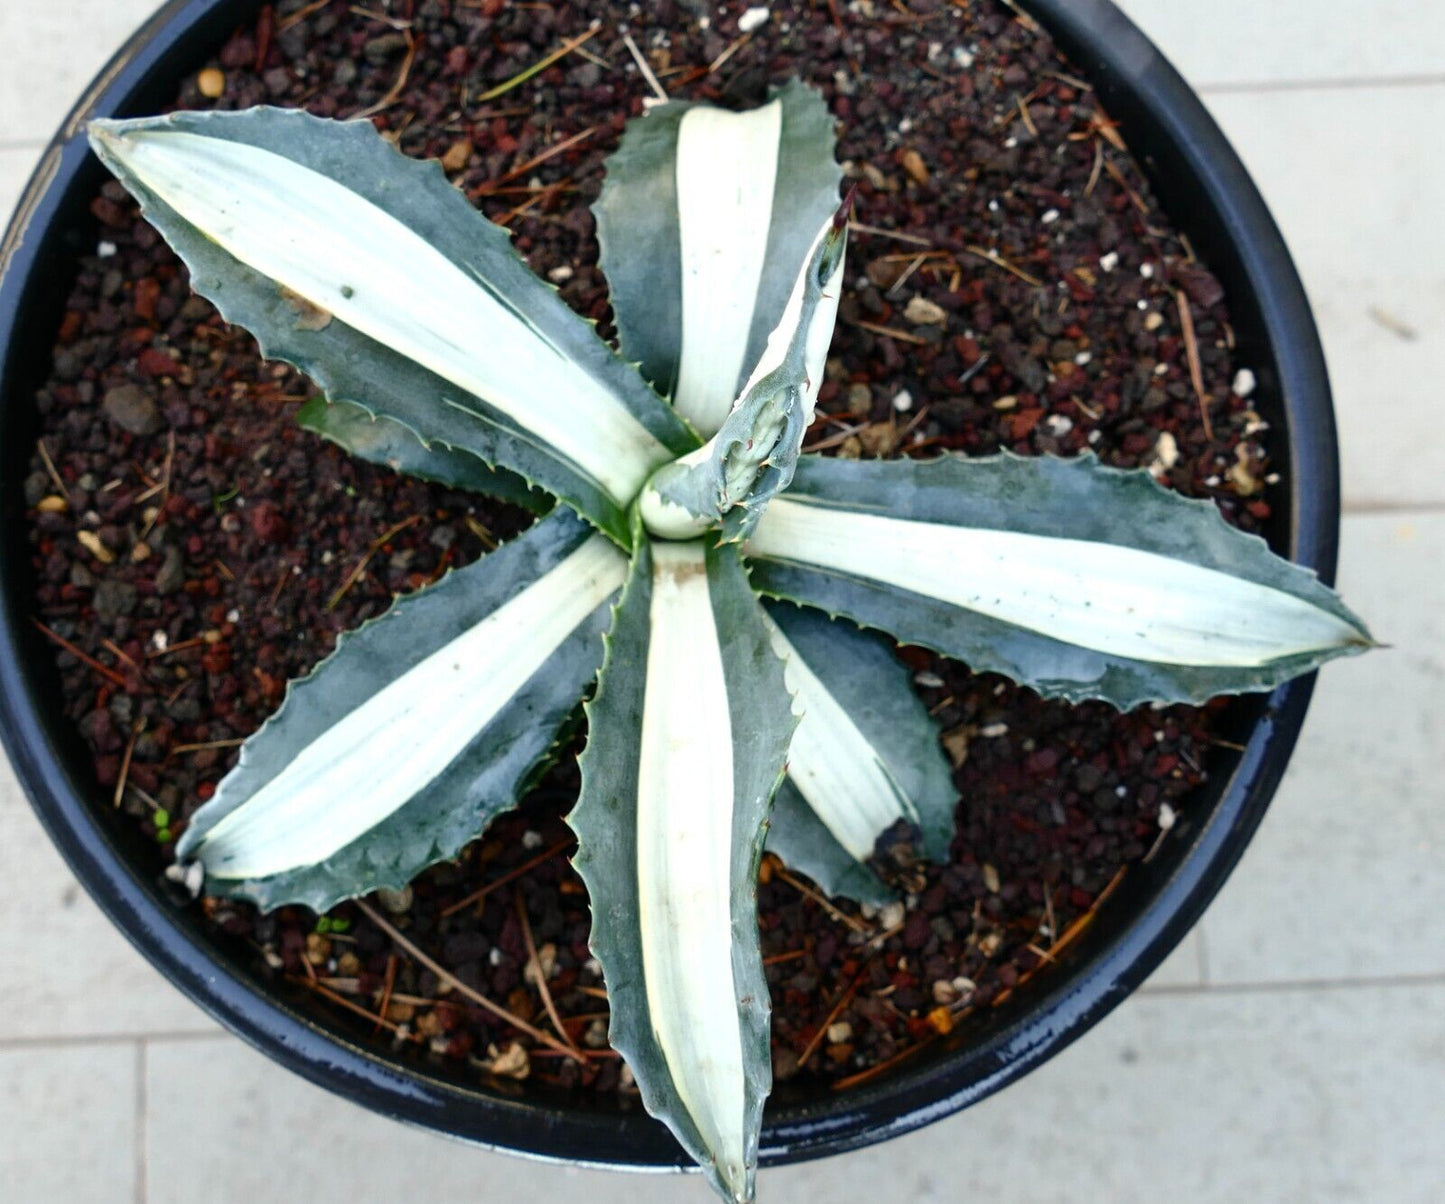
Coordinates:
(1205,188)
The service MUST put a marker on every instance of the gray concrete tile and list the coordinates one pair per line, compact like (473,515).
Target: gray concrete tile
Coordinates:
(1343,173)
(1346,878)
(68,1128)
(1243,41)
(15,168)
(64,970)
(1274,1096)
(1182,968)
(1268,1096)
(56,49)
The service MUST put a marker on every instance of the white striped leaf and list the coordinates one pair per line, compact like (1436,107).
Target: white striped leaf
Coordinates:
(731,203)
(687,740)
(1078,580)
(865,756)
(387,442)
(421,727)
(729,481)
(372,274)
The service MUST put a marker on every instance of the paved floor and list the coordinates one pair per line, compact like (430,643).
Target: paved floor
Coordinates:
(1293,1049)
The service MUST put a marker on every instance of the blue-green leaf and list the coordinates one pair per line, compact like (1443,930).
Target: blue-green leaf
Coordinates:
(704,220)
(687,740)
(866,754)
(420,728)
(1078,580)
(387,442)
(372,274)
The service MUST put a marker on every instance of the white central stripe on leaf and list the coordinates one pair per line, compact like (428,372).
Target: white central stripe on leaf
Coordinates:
(727,166)
(1100,596)
(819,336)
(832,763)
(388,749)
(684,854)
(342,253)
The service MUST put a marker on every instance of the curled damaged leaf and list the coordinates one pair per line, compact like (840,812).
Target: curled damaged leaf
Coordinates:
(729,480)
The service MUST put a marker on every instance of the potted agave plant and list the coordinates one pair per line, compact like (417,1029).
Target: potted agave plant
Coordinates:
(684,504)
(724,607)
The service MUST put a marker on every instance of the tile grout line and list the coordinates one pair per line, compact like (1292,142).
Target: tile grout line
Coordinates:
(1300,984)
(1320,84)
(142,1120)
(64,1041)
(1385,509)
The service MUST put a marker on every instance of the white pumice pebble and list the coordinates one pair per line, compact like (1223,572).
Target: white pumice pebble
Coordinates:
(753,18)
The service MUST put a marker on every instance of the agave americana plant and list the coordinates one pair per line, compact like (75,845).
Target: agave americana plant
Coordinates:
(719,721)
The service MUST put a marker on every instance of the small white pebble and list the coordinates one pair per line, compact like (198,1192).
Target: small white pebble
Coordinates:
(1084,357)
(891,914)
(561,274)
(1166,453)
(495,956)
(962,58)
(964,986)
(1147,271)
(1161,369)
(531,839)
(1212,482)
(159,641)
(1121,791)
(1059,425)
(903,401)
(1110,261)
(935,51)
(233,615)
(993,206)
(991,731)
(929,681)
(1095,436)
(1244,382)
(754,18)
(105,250)
(1272,479)
(1050,217)
(905,126)
(1167,816)
(839,1031)
(327,557)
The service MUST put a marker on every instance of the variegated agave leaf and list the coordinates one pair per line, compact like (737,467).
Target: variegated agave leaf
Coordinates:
(372,274)
(1078,580)
(865,756)
(730,480)
(421,727)
(732,203)
(687,740)
(387,442)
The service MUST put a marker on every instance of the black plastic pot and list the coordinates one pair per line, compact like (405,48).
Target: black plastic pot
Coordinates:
(1207,192)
